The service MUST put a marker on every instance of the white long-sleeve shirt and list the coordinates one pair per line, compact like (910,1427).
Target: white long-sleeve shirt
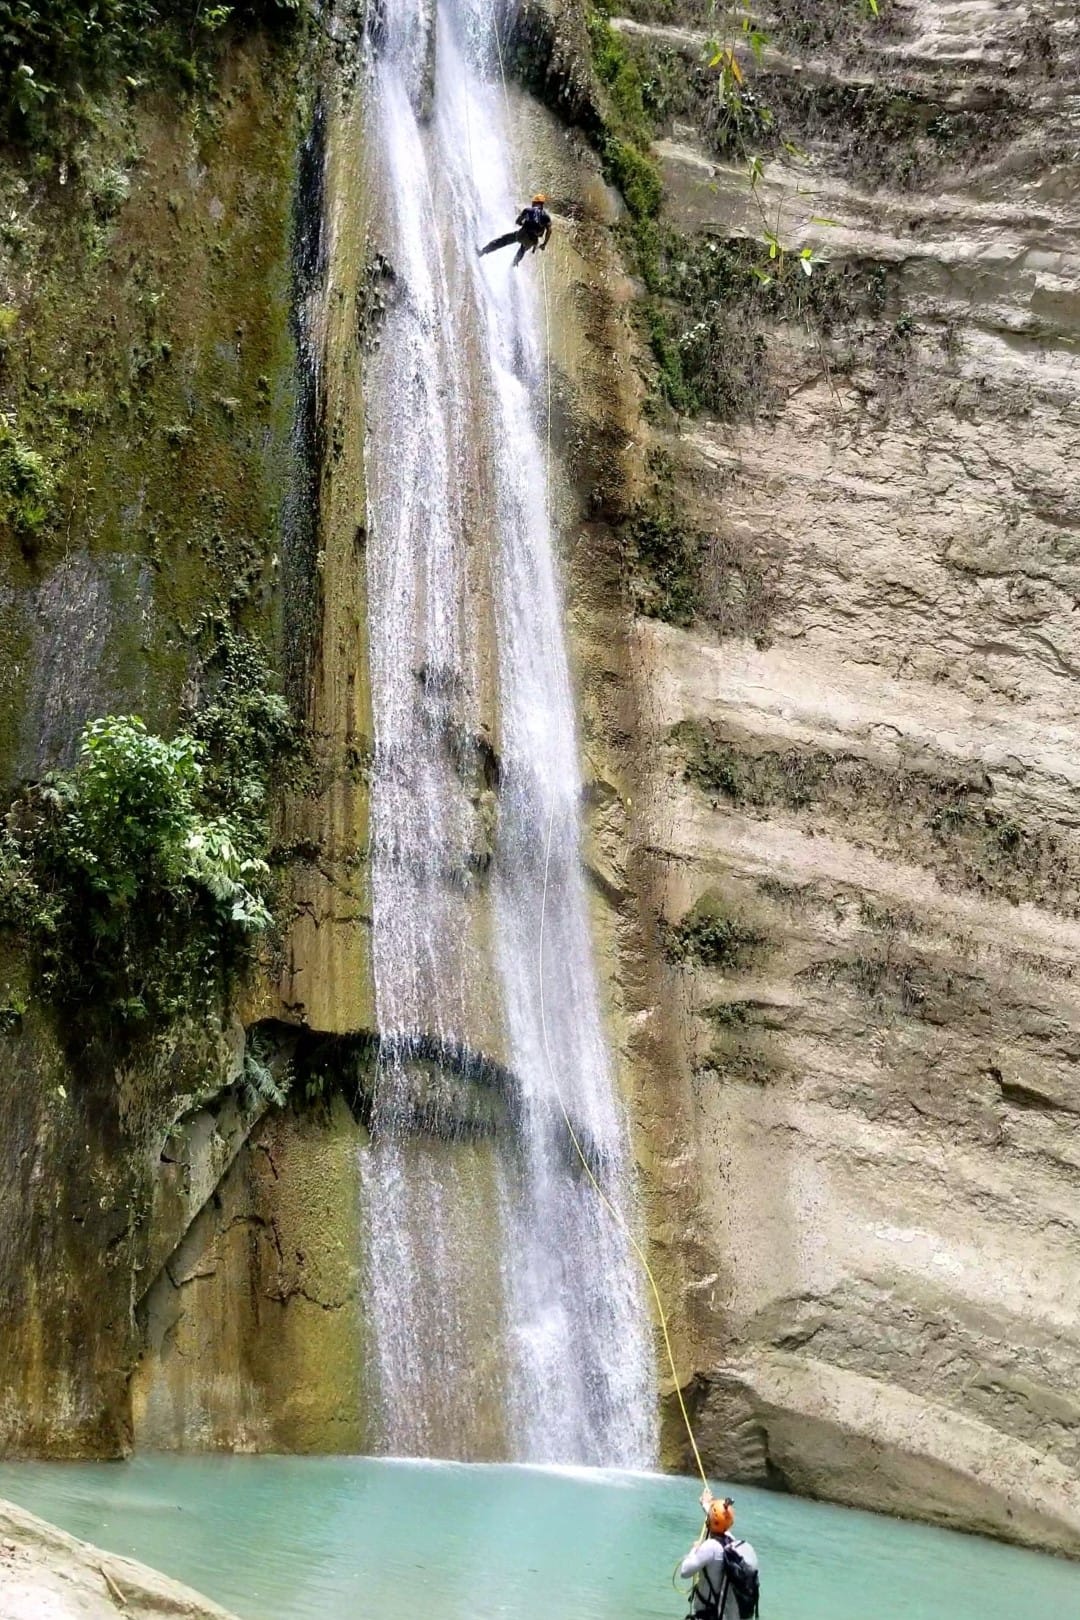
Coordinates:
(706,1562)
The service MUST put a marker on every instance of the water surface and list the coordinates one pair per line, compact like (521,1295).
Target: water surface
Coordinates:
(296,1538)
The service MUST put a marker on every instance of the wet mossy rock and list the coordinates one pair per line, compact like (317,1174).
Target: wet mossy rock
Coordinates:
(149,458)
(147,398)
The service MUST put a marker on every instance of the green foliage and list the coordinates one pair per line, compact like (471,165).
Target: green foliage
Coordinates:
(715,365)
(730,1014)
(624,147)
(712,764)
(684,575)
(667,566)
(56,53)
(793,777)
(711,300)
(23,907)
(245,729)
(881,135)
(13,1009)
(825,22)
(636,175)
(710,936)
(260,1082)
(710,297)
(128,810)
(139,877)
(26,484)
(619,73)
(663,329)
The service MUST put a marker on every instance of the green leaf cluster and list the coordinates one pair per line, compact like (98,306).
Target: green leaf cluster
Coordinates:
(139,878)
(710,936)
(55,54)
(26,483)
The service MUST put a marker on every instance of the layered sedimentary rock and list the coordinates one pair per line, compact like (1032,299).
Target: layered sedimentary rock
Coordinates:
(853,1026)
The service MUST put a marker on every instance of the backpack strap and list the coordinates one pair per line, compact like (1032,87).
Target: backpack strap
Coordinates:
(714,1606)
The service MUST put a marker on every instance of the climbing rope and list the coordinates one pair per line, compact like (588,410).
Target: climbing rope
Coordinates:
(612,1209)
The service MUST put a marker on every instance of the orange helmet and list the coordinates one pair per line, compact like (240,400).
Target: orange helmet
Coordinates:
(540,198)
(721,1516)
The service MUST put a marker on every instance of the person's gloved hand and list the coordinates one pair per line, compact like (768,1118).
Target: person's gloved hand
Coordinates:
(705,1499)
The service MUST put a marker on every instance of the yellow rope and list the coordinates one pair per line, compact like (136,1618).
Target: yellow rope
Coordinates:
(615,1213)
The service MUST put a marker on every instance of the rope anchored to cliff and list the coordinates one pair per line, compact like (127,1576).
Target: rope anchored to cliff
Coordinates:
(612,1209)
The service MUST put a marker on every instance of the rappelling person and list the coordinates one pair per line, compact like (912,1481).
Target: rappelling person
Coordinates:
(533,230)
(725,1569)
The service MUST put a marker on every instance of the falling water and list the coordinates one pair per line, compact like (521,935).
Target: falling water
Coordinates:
(507,1309)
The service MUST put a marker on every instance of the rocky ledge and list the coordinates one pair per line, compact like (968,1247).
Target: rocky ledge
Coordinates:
(47,1575)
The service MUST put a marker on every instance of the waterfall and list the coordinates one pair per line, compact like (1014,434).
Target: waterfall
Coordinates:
(507,1313)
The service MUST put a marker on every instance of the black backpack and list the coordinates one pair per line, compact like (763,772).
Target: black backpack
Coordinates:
(744,1581)
(739,1578)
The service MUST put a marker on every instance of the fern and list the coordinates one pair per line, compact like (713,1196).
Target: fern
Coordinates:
(260,1082)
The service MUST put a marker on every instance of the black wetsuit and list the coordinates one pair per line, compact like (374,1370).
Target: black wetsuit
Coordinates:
(533,223)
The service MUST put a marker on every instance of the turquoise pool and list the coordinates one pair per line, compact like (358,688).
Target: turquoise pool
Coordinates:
(291,1538)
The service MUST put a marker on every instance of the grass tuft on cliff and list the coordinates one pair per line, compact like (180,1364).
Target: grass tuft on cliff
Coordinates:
(709,935)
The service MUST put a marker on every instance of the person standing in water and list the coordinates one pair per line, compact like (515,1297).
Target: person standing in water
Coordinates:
(724,1569)
(533,231)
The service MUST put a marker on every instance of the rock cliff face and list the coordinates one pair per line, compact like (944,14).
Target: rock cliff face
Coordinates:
(180,336)
(847,910)
(821,549)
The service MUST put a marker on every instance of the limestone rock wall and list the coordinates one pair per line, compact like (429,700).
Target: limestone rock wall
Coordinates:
(856,1096)
(252,1330)
(180,340)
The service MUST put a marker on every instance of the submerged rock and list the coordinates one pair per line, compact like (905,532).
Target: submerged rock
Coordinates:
(48,1575)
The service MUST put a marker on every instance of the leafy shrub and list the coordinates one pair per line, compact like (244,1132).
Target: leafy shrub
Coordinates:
(710,935)
(26,483)
(53,53)
(139,877)
(667,566)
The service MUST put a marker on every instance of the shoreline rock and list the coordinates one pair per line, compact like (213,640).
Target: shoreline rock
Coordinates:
(45,1574)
